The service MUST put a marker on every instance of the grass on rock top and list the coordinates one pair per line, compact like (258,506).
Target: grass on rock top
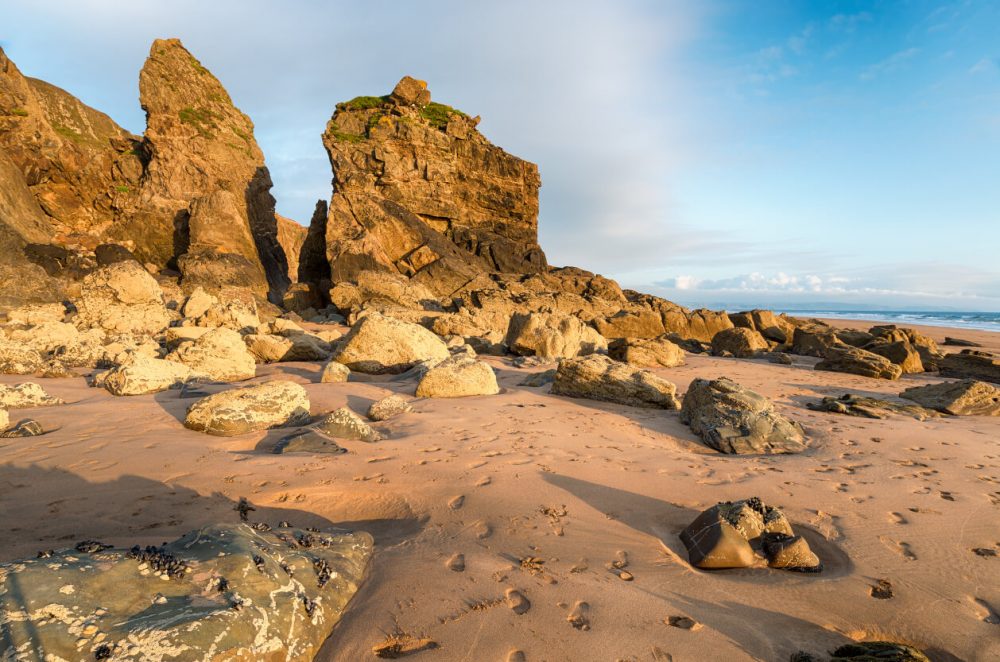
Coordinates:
(436,114)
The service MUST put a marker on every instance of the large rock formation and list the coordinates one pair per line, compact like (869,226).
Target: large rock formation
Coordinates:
(420,192)
(204,196)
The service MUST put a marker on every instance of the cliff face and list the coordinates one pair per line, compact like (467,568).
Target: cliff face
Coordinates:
(77,163)
(419,191)
(204,198)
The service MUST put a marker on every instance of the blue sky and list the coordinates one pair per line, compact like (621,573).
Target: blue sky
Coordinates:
(736,153)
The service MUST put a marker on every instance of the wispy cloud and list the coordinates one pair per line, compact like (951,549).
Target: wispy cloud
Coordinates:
(894,62)
(984,66)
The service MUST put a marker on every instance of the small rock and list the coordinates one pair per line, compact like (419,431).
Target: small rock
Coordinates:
(26,428)
(456,377)
(308,441)
(345,424)
(682,622)
(387,407)
(334,373)
(882,589)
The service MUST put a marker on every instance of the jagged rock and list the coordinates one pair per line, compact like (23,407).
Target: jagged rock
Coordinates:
(900,352)
(877,651)
(923,345)
(857,405)
(290,237)
(387,407)
(219,354)
(741,342)
(198,303)
(37,314)
(970,363)
(378,344)
(26,428)
(814,341)
(853,337)
(272,404)
(205,193)
(80,165)
(233,592)
(142,374)
(734,419)
(308,440)
(965,398)
(659,318)
(857,361)
(122,298)
(106,254)
(598,377)
(647,352)
(438,203)
(236,311)
(267,348)
(45,337)
(334,373)
(456,377)
(345,424)
(18,359)
(26,394)
(382,289)
(775,328)
(737,535)
(552,336)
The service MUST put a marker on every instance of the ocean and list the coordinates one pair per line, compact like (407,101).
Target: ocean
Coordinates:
(981,321)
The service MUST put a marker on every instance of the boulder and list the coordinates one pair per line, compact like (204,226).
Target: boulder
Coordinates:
(814,341)
(251,409)
(387,407)
(646,352)
(410,92)
(734,419)
(345,424)
(237,312)
(24,395)
(551,336)
(198,303)
(267,348)
(457,377)
(598,377)
(220,354)
(858,405)
(25,428)
(334,373)
(378,344)
(37,314)
(855,361)
(745,534)
(775,328)
(740,342)
(972,364)
(968,397)
(142,374)
(122,298)
(900,352)
(18,359)
(223,592)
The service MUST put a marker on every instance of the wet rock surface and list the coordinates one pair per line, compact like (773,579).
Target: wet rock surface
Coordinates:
(734,419)
(231,592)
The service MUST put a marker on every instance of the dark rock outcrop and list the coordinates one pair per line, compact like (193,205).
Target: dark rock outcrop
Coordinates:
(734,419)
(971,363)
(864,407)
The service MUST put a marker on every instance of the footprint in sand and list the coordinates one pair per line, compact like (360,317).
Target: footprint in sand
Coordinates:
(456,563)
(985,611)
(579,618)
(482,530)
(457,502)
(517,602)
(900,547)
(516,656)
(484,481)
(897,518)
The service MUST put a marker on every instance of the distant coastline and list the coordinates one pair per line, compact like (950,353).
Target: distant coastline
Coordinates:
(958,320)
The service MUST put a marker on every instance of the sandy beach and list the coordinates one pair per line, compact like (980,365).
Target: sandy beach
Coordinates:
(469,499)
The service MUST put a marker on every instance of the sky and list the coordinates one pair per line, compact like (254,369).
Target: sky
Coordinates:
(720,153)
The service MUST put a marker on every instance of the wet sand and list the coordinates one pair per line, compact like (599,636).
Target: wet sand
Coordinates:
(539,494)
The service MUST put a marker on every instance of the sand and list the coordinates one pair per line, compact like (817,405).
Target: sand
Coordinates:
(497,519)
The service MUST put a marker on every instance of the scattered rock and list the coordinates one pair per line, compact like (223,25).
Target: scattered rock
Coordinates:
(334,373)
(252,618)
(683,622)
(345,424)
(972,364)
(598,377)
(858,405)
(882,589)
(734,419)
(219,354)
(740,342)
(24,395)
(958,342)
(657,352)
(964,398)
(551,335)
(308,441)
(253,408)
(387,407)
(857,361)
(729,535)
(456,377)
(379,344)
(141,375)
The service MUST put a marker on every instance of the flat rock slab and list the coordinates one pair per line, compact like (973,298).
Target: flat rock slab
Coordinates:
(855,361)
(596,377)
(971,364)
(858,405)
(968,397)
(228,592)
(734,419)
(308,441)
